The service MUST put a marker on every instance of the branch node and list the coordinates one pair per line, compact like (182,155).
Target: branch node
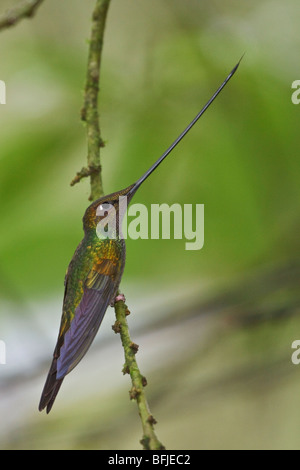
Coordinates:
(134,347)
(144,381)
(85,172)
(116,327)
(25,10)
(134,393)
(151,420)
(126,369)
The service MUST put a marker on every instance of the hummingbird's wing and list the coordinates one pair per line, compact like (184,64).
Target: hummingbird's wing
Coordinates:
(78,331)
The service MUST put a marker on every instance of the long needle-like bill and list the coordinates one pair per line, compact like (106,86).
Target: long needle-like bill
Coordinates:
(186,130)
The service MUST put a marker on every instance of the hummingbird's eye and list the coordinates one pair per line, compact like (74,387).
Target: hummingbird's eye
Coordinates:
(104,208)
(101,209)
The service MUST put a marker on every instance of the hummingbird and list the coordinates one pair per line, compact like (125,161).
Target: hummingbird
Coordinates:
(94,274)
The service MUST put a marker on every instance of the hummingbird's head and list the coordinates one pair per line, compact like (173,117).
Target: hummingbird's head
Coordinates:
(111,206)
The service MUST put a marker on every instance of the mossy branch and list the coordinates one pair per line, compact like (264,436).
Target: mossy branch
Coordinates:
(25,10)
(89,112)
(137,392)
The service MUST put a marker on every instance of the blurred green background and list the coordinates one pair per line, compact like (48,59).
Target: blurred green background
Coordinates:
(215,326)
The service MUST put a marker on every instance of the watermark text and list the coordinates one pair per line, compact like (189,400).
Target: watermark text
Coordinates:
(2,352)
(2,92)
(296,354)
(161,222)
(296,94)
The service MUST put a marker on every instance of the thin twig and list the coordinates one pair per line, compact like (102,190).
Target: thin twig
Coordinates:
(89,112)
(84,172)
(149,441)
(25,10)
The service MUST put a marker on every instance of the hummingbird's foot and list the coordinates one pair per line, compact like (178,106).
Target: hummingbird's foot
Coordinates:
(118,297)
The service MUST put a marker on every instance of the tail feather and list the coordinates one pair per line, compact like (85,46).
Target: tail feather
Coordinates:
(51,388)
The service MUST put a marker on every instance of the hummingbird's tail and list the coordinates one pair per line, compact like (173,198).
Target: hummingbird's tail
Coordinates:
(51,388)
